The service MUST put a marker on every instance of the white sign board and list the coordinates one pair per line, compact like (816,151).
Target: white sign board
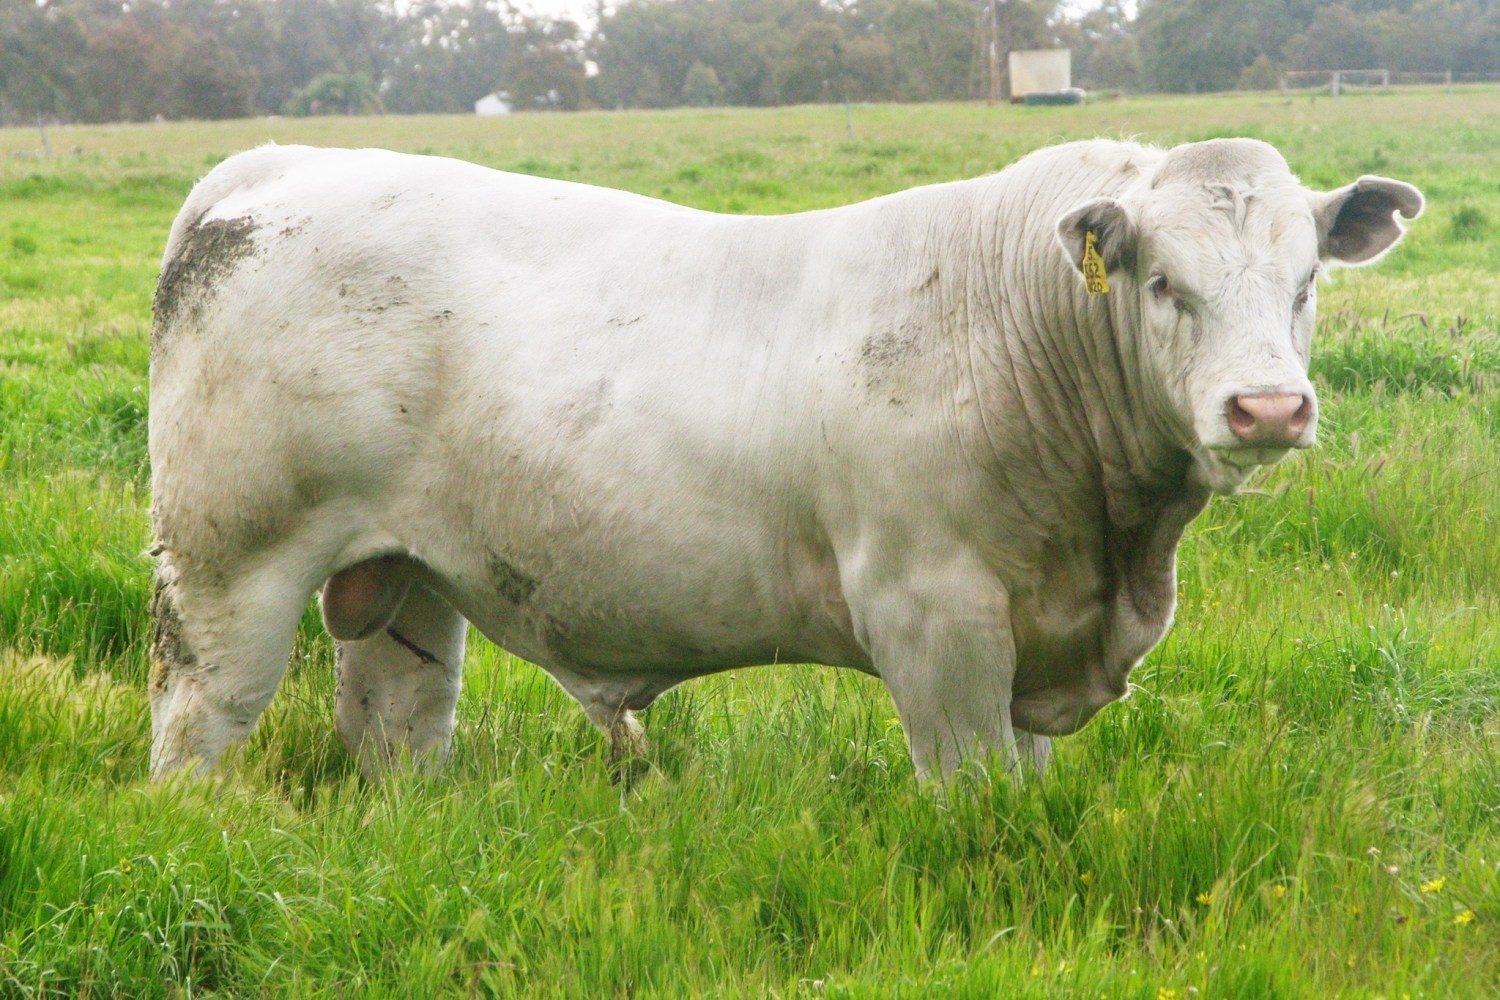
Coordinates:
(1040,70)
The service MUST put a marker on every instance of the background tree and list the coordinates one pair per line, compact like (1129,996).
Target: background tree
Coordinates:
(43,54)
(1262,74)
(1196,45)
(1105,50)
(449,55)
(1438,35)
(933,47)
(336,94)
(107,60)
(1338,38)
(814,68)
(702,88)
(547,69)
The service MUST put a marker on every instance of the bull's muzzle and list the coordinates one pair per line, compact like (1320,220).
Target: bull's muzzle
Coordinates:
(1271,419)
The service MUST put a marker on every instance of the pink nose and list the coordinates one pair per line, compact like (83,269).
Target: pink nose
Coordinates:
(1273,419)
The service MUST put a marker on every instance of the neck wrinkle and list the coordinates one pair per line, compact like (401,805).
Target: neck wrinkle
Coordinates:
(1058,388)
(1154,468)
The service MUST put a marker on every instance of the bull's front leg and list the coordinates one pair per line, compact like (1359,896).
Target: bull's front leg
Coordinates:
(1034,750)
(941,640)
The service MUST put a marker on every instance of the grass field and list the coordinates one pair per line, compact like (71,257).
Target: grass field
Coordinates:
(1302,798)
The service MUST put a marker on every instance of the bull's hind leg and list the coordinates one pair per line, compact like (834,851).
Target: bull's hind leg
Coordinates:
(220,644)
(398,687)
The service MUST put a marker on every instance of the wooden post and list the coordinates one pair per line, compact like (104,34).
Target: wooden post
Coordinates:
(41,126)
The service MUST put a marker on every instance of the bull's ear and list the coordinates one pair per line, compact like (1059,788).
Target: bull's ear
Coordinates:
(1357,223)
(1113,229)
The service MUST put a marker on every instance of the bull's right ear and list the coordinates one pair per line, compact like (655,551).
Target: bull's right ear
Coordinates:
(1113,229)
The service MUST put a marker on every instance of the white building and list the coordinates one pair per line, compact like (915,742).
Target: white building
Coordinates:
(493,104)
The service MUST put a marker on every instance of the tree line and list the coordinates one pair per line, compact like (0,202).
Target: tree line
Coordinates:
(121,60)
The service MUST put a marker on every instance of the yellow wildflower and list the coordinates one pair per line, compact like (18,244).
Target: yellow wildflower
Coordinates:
(1436,885)
(1278,890)
(1205,898)
(1466,917)
(1117,815)
(1087,878)
(1166,993)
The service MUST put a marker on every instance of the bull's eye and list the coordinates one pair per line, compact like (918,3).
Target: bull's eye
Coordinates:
(1162,291)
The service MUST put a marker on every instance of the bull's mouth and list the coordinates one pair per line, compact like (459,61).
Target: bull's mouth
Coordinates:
(1225,470)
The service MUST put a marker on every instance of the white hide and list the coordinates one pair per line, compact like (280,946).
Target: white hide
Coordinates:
(634,442)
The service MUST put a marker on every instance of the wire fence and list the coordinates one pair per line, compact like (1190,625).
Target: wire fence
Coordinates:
(1337,81)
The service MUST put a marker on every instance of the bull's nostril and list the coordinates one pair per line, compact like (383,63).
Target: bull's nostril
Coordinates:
(1300,419)
(1241,421)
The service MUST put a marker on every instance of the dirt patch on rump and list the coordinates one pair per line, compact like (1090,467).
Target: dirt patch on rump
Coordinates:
(208,253)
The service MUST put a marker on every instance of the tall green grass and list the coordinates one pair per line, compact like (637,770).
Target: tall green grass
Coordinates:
(1301,797)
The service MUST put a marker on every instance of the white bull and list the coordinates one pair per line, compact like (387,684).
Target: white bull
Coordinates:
(636,443)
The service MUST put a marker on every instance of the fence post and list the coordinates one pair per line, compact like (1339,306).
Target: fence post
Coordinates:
(41,126)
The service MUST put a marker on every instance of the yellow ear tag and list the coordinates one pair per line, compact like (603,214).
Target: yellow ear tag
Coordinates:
(1094,278)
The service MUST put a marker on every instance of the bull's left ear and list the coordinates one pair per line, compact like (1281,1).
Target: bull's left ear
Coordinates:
(1113,229)
(1357,223)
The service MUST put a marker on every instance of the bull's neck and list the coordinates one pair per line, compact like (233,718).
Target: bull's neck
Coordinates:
(1058,376)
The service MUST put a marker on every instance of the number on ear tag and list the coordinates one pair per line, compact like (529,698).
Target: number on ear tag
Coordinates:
(1094,278)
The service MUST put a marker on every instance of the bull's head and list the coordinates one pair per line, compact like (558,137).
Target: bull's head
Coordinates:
(1215,258)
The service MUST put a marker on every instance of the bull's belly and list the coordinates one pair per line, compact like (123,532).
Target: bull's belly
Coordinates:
(606,636)
(638,603)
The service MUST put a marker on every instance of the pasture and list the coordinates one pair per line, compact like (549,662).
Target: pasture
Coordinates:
(1301,797)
